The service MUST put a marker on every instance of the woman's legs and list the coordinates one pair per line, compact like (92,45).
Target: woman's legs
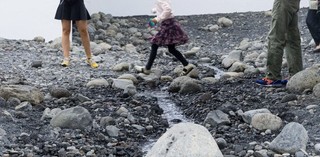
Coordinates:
(83,30)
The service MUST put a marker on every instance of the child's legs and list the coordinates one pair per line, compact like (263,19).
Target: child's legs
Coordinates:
(152,57)
(66,26)
(83,30)
(172,49)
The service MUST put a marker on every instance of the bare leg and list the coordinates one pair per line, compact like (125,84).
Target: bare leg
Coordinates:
(66,26)
(83,30)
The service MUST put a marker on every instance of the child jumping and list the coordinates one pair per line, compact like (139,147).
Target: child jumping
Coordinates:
(170,35)
(74,10)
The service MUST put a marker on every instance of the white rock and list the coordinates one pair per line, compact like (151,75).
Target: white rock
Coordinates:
(186,139)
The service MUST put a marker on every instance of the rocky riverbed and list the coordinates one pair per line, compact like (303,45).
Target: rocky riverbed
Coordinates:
(49,110)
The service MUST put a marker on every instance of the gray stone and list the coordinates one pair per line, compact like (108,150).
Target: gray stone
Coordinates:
(60,92)
(2,102)
(98,83)
(217,117)
(291,139)
(105,121)
(36,64)
(72,118)
(289,97)
(112,131)
(265,121)
(13,101)
(317,148)
(24,106)
(247,116)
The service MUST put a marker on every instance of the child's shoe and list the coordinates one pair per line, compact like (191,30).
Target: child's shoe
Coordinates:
(145,71)
(65,62)
(141,69)
(271,83)
(92,63)
(186,70)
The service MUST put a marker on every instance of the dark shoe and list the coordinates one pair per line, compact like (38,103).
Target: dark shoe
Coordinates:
(145,71)
(316,50)
(271,83)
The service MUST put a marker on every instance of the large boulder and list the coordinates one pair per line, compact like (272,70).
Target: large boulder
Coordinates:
(303,80)
(291,139)
(186,139)
(22,92)
(72,118)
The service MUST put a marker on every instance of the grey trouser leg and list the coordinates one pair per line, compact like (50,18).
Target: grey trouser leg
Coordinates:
(284,35)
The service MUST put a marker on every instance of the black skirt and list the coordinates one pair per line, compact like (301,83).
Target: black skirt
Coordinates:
(72,10)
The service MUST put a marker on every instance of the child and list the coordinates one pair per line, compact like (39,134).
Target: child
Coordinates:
(170,35)
(74,10)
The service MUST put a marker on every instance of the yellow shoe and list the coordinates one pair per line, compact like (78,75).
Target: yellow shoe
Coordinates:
(65,62)
(92,63)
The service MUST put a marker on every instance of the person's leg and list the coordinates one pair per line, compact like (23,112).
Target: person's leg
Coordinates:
(293,47)
(313,24)
(66,27)
(83,30)
(172,49)
(277,39)
(152,57)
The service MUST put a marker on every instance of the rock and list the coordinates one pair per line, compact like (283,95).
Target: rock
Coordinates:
(244,44)
(291,139)
(48,113)
(316,90)
(56,43)
(222,143)
(265,121)
(22,92)
(225,22)
(217,117)
(59,92)
(289,97)
(178,140)
(39,39)
(184,85)
(72,118)
(129,77)
(13,101)
(192,52)
(247,116)
(98,83)
(237,67)
(209,80)
(121,67)
(303,80)
(105,121)
(233,56)
(121,83)
(130,48)
(24,106)
(36,64)
(2,102)
(317,148)
(112,131)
